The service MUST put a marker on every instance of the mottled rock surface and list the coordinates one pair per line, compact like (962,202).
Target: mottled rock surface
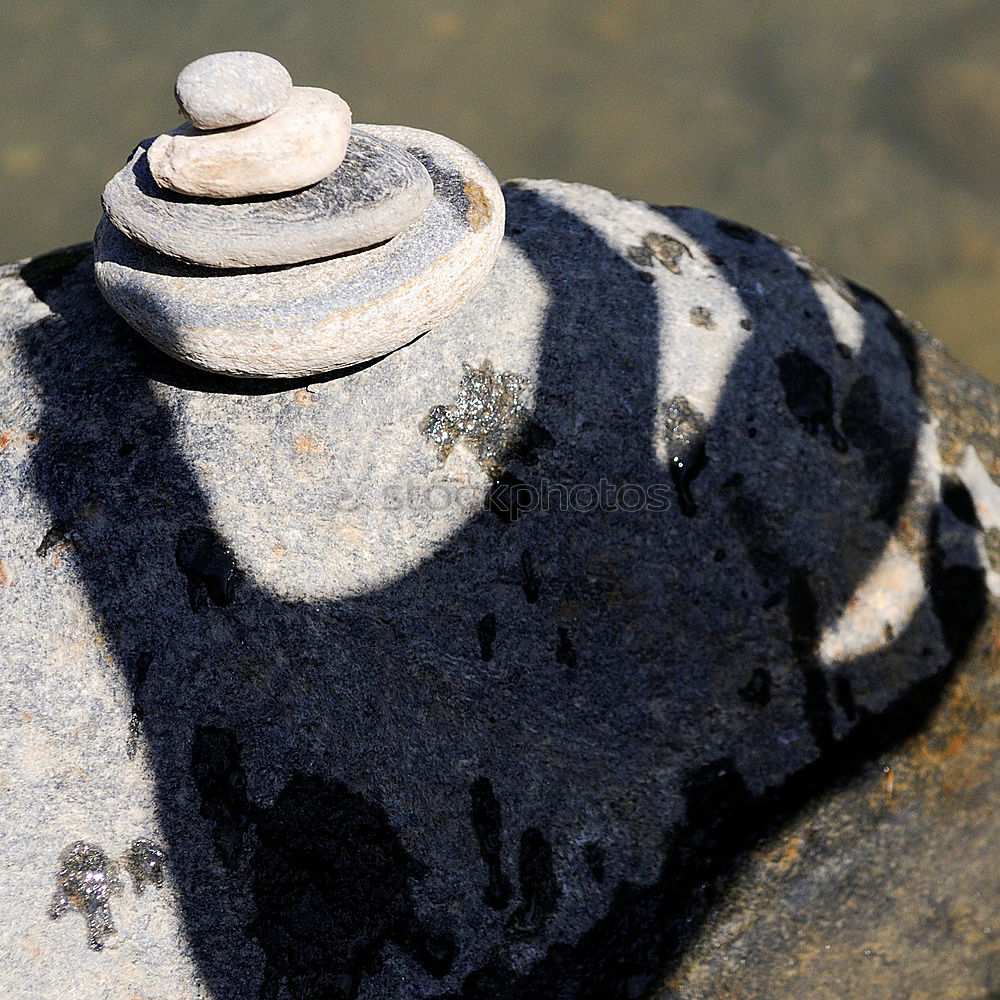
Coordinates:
(376,192)
(561,653)
(231,88)
(298,145)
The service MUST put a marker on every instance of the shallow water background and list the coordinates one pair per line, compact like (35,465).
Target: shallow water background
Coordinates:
(867,133)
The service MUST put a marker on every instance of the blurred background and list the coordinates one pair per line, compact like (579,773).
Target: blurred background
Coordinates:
(867,133)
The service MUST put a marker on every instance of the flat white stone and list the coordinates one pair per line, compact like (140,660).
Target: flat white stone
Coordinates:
(298,145)
(312,318)
(231,88)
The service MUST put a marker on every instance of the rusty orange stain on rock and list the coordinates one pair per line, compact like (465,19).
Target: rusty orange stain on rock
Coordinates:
(480,211)
(790,855)
(307,444)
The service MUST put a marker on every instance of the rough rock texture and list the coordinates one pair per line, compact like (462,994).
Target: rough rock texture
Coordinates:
(298,145)
(231,88)
(332,313)
(376,192)
(412,717)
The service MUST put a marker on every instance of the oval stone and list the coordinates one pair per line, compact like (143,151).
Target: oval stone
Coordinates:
(231,88)
(297,321)
(378,190)
(296,146)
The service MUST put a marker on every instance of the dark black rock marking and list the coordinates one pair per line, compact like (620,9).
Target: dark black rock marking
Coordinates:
(531,439)
(684,433)
(54,535)
(486,633)
(737,231)
(757,690)
(902,333)
(898,327)
(209,565)
(331,883)
(958,593)
(140,669)
(646,277)
(87,880)
(889,467)
(509,497)
(221,782)
(809,394)
(593,856)
(531,582)
(140,672)
(539,889)
(957,499)
(803,619)
(888,450)
(145,861)
(565,653)
(487,824)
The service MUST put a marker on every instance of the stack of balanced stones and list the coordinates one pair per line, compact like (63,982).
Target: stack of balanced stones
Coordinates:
(268,237)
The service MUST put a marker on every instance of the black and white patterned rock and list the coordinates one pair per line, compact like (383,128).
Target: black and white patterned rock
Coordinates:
(295,321)
(378,190)
(298,145)
(231,88)
(483,672)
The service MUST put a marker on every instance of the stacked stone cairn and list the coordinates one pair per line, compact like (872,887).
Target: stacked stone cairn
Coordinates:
(268,237)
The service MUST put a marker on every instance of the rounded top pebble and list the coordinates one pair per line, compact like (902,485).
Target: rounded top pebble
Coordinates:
(231,88)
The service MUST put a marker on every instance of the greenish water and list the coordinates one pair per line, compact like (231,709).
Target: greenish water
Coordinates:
(864,132)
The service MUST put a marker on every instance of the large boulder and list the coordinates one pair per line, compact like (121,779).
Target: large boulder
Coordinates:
(626,636)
